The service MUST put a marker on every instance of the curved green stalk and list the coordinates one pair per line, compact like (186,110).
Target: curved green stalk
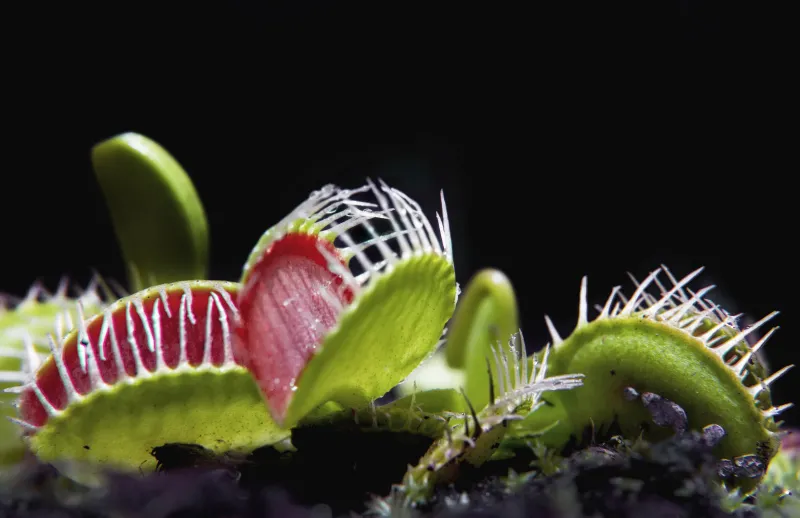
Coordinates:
(486,314)
(157,215)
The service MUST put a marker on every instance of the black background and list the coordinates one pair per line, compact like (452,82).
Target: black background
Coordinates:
(570,139)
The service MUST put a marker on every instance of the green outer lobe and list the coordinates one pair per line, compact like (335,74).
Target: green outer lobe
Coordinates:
(486,313)
(381,337)
(39,320)
(221,411)
(651,357)
(158,217)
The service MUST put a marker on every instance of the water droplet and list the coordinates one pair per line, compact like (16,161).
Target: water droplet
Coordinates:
(325,191)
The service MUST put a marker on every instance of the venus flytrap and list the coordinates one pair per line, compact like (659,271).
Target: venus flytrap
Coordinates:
(635,342)
(338,303)
(166,242)
(164,366)
(648,358)
(153,368)
(313,330)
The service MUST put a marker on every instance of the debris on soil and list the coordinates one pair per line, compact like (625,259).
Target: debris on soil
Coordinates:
(675,478)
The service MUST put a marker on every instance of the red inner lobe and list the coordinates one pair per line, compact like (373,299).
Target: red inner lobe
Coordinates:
(52,386)
(284,315)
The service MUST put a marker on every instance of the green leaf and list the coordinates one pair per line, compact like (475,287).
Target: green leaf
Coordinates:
(157,215)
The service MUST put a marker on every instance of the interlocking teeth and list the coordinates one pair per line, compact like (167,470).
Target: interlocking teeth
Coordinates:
(94,336)
(62,303)
(335,213)
(411,233)
(686,310)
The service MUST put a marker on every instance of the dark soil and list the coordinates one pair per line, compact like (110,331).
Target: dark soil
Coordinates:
(338,472)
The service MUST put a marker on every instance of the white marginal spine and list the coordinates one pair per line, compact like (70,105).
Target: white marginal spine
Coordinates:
(685,310)
(90,355)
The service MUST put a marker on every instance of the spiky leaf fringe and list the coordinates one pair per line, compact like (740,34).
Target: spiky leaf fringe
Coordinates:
(698,318)
(475,436)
